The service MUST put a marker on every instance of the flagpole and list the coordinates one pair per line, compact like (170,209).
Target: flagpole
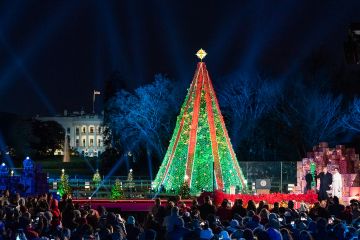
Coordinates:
(93,102)
(94,95)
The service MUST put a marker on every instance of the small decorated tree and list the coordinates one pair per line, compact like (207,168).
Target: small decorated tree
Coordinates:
(117,191)
(130,184)
(64,186)
(313,173)
(185,191)
(97,178)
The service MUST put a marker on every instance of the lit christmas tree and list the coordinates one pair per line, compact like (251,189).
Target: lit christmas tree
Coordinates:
(184,191)
(313,173)
(130,184)
(200,147)
(117,191)
(64,186)
(97,178)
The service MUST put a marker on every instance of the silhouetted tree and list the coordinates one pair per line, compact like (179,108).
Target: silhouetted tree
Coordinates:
(50,136)
(143,118)
(16,135)
(351,119)
(310,116)
(245,101)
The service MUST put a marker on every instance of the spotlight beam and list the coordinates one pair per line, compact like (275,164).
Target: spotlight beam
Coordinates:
(118,163)
(112,31)
(3,148)
(225,34)
(175,48)
(136,42)
(264,32)
(34,45)
(36,88)
(312,42)
(10,13)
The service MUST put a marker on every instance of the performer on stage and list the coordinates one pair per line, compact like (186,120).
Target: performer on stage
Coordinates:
(325,181)
(336,184)
(308,179)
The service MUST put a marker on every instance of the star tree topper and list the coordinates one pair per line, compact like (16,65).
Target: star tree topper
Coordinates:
(201,54)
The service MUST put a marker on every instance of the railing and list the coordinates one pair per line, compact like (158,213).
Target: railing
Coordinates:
(280,174)
(85,188)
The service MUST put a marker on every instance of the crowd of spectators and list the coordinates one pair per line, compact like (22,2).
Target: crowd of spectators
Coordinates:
(44,217)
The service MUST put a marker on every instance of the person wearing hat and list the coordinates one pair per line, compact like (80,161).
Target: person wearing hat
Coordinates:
(238,234)
(274,234)
(224,235)
(179,232)
(254,223)
(132,231)
(233,227)
(172,220)
(238,218)
(273,216)
(274,223)
(206,232)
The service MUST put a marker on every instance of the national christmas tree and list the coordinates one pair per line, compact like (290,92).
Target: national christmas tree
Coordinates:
(200,153)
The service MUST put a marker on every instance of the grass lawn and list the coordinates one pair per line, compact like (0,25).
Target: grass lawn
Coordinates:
(78,166)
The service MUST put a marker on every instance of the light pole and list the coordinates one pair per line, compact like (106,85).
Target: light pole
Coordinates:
(281,176)
(213,173)
(94,95)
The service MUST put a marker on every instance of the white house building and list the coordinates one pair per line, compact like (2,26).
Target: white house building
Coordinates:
(83,132)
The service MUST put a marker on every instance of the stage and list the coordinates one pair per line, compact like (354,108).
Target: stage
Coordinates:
(144,205)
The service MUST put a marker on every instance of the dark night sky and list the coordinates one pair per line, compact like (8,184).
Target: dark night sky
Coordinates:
(54,53)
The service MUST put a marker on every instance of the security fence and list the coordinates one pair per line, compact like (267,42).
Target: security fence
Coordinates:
(280,174)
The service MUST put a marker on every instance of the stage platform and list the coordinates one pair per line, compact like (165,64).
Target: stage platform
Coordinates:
(144,205)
